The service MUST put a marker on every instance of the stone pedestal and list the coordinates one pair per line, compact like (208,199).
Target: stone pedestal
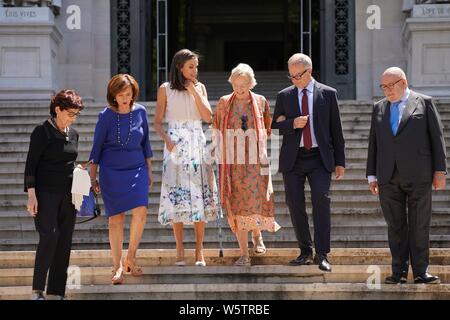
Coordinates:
(427,37)
(29,48)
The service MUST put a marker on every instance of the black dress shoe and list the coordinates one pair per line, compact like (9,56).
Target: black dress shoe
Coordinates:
(427,278)
(396,278)
(303,259)
(323,262)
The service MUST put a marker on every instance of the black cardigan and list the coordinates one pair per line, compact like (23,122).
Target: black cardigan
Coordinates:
(51,159)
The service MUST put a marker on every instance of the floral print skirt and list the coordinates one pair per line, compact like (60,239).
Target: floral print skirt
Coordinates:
(188,186)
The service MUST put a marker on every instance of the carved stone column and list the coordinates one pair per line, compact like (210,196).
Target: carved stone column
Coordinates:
(29,48)
(427,37)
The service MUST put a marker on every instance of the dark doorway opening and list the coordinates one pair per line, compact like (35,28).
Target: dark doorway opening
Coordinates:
(262,56)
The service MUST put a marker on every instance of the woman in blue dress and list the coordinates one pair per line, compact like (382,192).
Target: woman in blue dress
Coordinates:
(122,149)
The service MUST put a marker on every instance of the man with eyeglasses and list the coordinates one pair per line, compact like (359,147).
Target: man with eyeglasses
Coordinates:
(307,116)
(406,157)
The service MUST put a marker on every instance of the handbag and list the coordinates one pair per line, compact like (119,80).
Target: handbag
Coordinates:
(89,207)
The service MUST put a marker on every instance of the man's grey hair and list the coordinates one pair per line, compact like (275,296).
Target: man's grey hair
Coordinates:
(300,58)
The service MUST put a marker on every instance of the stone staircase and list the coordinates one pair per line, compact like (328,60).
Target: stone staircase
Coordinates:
(357,220)
(356,273)
(359,235)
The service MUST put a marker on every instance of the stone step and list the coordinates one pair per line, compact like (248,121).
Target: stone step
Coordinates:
(15,174)
(275,274)
(339,217)
(91,116)
(356,155)
(42,110)
(339,193)
(345,106)
(164,242)
(87,136)
(87,126)
(286,234)
(14,187)
(244,291)
(268,278)
(439,201)
(19,161)
(157,146)
(167,257)
(88,129)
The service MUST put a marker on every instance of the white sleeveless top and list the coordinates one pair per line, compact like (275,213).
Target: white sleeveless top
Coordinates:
(180,106)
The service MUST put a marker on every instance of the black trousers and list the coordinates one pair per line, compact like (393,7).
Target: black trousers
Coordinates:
(55,223)
(407,210)
(309,166)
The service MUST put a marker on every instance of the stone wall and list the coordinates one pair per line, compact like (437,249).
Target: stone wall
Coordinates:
(85,62)
(378,49)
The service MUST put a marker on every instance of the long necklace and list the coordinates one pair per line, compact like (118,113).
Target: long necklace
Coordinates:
(129,131)
(65,133)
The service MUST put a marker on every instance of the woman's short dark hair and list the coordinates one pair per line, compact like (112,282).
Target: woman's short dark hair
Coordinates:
(66,99)
(176,78)
(117,84)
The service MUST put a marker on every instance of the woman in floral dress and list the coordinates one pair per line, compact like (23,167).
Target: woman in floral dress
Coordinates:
(242,121)
(188,189)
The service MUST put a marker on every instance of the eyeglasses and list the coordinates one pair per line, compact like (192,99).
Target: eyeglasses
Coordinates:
(73,114)
(244,122)
(389,86)
(298,76)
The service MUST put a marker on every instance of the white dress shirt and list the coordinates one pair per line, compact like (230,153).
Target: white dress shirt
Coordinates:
(310,93)
(401,108)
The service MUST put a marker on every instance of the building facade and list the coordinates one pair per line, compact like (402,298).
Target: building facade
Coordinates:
(47,45)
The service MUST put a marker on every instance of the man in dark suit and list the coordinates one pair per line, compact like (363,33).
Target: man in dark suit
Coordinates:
(406,157)
(307,116)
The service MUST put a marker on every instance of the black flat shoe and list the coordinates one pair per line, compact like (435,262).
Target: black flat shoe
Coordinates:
(303,259)
(427,278)
(323,263)
(396,278)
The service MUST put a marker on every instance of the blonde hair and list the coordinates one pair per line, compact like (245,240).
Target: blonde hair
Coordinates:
(243,69)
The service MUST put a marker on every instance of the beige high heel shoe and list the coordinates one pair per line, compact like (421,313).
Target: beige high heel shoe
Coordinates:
(117,276)
(258,245)
(134,269)
(198,262)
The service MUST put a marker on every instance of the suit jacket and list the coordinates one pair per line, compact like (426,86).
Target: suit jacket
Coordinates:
(418,148)
(327,126)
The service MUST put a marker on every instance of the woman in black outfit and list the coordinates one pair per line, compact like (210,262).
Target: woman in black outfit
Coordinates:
(48,181)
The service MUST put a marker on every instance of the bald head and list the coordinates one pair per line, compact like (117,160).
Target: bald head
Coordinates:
(393,82)
(396,72)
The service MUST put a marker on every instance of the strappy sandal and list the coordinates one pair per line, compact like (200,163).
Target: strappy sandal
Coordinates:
(243,261)
(258,245)
(117,276)
(134,269)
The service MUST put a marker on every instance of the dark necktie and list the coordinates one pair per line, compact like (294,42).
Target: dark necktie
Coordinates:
(307,142)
